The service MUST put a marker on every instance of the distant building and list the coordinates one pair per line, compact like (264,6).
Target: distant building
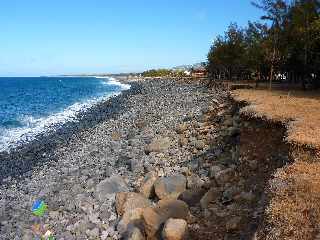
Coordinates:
(199,72)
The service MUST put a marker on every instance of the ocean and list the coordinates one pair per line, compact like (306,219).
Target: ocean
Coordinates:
(30,106)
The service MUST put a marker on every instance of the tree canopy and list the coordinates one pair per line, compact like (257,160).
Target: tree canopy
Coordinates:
(283,46)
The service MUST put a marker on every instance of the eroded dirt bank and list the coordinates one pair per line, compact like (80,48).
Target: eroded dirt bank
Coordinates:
(253,149)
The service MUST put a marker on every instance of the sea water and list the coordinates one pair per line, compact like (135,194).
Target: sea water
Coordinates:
(30,106)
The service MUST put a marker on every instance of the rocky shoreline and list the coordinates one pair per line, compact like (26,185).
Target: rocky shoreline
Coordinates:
(166,159)
(151,130)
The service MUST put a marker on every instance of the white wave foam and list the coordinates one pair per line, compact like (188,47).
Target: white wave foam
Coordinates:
(114,81)
(14,137)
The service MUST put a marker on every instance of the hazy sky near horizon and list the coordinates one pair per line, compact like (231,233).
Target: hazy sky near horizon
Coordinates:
(41,37)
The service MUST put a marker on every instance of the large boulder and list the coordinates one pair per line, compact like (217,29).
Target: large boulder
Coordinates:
(158,145)
(147,186)
(109,187)
(154,217)
(128,201)
(170,187)
(175,229)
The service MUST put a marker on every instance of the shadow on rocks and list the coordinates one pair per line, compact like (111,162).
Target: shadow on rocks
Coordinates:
(239,165)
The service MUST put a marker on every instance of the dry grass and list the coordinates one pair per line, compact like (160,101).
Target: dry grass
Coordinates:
(294,210)
(300,110)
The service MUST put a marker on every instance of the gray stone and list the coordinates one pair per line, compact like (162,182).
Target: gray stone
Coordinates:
(28,235)
(109,187)
(136,166)
(65,236)
(170,186)
(105,212)
(85,203)
(93,233)
(134,142)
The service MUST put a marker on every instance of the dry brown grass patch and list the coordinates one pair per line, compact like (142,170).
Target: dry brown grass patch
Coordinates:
(299,109)
(294,210)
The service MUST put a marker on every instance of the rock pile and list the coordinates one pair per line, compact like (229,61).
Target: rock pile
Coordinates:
(134,172)
(206,185)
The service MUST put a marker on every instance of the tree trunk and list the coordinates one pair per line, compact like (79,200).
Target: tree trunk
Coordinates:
(271,77)
(306,33)
(258,79)
(304,75)
(272,67)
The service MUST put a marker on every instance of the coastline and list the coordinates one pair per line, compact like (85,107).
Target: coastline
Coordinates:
(44,141)
(35,127)
(110,140)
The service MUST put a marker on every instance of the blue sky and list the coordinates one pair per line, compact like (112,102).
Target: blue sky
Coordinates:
(40,37)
